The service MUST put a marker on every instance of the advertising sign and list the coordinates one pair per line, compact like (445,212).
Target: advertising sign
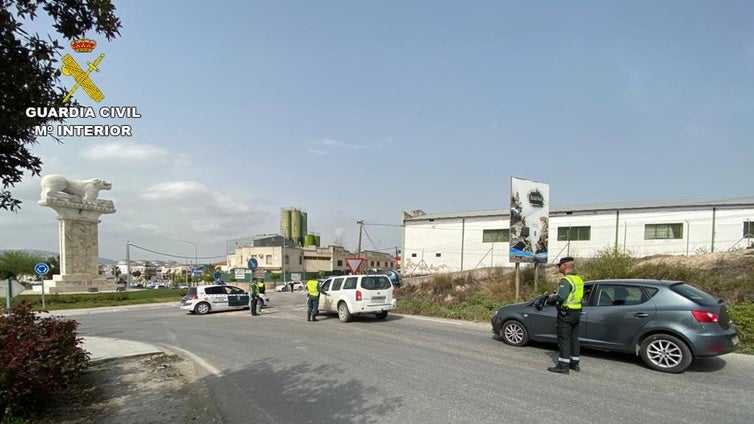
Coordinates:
(240,273)
(530,217)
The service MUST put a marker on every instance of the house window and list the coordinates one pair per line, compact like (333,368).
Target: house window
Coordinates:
(340,262)
(437,255)
(268,259)
(495,236)
(748,229)
(287,261)
(663,231)
(574,233)
(413,255)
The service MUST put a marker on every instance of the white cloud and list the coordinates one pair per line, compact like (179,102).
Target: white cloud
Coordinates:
(175,190)
(125,151)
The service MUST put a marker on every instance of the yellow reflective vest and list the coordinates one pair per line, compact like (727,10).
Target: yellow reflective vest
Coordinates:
(577,291)
(312,286)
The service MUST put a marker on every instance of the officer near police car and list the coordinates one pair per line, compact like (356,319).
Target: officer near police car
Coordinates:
(568,300)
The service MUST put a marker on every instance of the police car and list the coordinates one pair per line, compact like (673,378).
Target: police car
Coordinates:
(216,297)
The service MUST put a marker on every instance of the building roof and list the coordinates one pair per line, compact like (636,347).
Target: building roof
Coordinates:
(604,207)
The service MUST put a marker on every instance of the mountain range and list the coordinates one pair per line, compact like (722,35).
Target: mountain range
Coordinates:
(47,254)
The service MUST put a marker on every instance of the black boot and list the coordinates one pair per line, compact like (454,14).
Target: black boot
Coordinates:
(574,366)
(314,318)
(308,317)
(561,368)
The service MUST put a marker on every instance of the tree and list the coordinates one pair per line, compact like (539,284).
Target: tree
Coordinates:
(29,76)
(18,262)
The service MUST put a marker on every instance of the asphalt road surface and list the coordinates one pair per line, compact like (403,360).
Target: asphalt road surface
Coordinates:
(279,368)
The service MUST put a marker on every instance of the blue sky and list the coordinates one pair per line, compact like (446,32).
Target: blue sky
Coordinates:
(359,110)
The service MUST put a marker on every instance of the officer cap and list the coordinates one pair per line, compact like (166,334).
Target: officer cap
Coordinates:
(565,260)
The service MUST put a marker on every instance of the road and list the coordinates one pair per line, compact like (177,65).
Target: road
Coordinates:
(279,368)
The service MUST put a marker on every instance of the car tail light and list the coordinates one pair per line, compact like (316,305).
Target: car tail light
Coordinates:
(393,291)
(704,316)
(358,295)
(193,297)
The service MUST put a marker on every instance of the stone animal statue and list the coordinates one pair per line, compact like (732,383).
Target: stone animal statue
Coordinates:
(85,190)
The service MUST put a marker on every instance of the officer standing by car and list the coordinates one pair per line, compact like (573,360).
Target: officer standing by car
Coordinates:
(312,300)
(254,299)
(261,286)
(568,300)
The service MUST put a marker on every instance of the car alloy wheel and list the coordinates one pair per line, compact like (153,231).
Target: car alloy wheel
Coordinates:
(514,333)
(663,352)
(202,308)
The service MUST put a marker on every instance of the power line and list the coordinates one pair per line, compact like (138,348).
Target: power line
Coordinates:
(173,256)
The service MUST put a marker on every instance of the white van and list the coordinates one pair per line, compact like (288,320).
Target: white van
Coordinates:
(351,295)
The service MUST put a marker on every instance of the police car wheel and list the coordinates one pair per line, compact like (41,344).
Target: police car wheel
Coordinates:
(344,315)
(514,333)
(381,315)
(666,353)
(202,308)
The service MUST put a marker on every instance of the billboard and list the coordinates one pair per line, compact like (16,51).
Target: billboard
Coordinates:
(530,218)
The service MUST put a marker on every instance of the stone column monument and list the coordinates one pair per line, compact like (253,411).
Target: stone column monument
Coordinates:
(78,212)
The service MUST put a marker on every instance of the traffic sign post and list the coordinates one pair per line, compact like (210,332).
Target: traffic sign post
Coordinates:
(41,269)
(12,289)
(354,264)
(252,264)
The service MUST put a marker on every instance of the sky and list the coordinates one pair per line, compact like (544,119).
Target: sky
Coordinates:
(360,110)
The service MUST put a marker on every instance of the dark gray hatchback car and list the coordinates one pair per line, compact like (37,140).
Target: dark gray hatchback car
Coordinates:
(667,323)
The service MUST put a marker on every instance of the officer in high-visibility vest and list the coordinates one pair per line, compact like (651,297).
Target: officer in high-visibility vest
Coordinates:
(568,298)
(312,299)
(254,299)
(261,286)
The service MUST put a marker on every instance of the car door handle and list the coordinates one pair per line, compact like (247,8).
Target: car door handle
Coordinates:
(641,315)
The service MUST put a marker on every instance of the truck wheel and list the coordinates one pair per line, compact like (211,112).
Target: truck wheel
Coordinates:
(343,314)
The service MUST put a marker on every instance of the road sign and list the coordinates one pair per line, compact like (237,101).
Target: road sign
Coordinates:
(240,273)
(354,264)
(41,268)
(252,264)
(218,275)
(15,287)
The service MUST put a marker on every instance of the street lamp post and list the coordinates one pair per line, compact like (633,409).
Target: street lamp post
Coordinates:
(196,258)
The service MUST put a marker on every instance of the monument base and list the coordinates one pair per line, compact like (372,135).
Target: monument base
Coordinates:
(80,283)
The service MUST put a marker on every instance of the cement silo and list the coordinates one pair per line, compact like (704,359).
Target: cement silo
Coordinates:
(293,224)
(309,240)
(285,223)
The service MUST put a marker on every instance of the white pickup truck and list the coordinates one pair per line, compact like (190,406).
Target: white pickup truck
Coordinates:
(351,295)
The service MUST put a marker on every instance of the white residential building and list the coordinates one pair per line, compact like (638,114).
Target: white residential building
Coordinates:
(448,242)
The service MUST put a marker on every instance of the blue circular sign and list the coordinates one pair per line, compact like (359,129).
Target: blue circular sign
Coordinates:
(218,275)
(252,264)
(41,268)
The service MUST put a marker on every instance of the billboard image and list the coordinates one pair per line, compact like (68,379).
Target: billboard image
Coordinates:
(530,217)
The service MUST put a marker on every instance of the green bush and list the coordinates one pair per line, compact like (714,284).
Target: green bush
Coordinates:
(609,263)
(38,356)
(743,316)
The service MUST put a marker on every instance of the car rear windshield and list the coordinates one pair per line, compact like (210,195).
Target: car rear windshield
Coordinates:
(694,294)
(191,291)
(375,283)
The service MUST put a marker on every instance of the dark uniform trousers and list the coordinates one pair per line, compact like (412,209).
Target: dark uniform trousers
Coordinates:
(567,326)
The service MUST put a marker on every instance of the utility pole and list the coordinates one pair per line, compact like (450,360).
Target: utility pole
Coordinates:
(128,264)
(361,228)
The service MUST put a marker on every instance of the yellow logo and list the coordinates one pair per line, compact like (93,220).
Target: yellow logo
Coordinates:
(72,68)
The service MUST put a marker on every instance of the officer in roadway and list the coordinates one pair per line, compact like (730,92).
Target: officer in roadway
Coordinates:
(312,299)
(568,299)
(261,286)
(254,299)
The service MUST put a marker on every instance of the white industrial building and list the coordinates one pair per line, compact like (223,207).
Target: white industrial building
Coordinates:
(447,242)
